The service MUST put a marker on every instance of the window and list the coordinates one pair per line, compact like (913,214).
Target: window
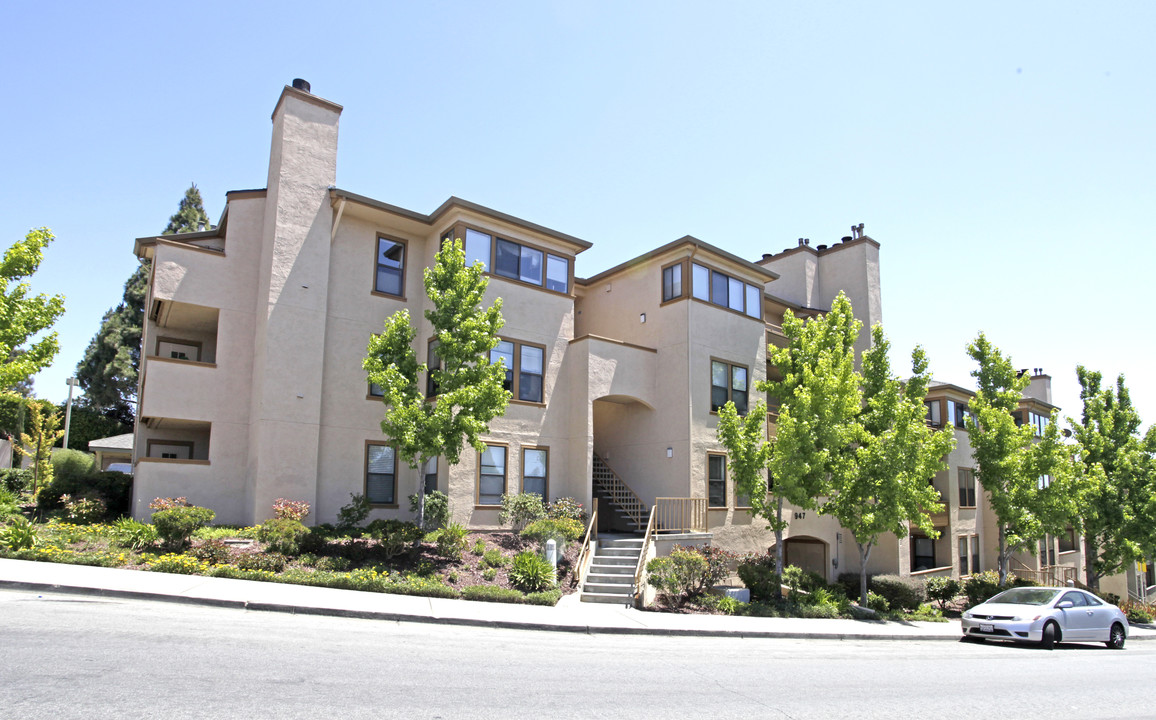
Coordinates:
(178,349)
(169,449)
(672,282)
(433,362)
(430,473)
(535,464)
(1067,540)
(529,369)
(380,474)
(716,482)
(966,487)
(728,382)
(963,565)
(933,413)
(477,247)
(1075,597)
(492,475)
(525,264)
(1048,550)
(720,289)
(968,563)
(1038,423)
(557,274)
(956,412)
(376,390)
(922,553)
(390,267)
(975,553)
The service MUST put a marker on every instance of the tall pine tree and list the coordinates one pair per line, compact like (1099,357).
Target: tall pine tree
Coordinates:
(108,372)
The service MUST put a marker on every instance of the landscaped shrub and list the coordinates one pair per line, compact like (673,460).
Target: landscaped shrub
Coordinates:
(560,531)
(132,534)
(1138,612)
(177,564)
(479,547)
(83,511)
(679,576)
(1112,598)
(333,564)
(850,584)
(394,536)
(290,509)
(521,509)
(175,526)
(489,574)
(757,571)
(19,535)
(270,562)
(530,572)
(544,597)
(718,565)
(437,509)
(901,593)
(214,552)
(492,593)
(877,602)
(70,478)
(452,542)
(8,504)
(494,558)
(72,463)
(567,508)
(352,515)
(941,590)
(16,480)
(1017,581)
(981,586)
(282,535)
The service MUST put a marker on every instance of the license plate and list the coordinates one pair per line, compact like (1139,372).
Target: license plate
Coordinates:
(986,628)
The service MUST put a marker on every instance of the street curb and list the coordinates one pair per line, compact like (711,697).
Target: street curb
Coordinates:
(474,622)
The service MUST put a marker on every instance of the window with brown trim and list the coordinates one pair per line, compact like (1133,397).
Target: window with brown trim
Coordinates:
(536,471)
(430,473)
(672,282)
(717,288)
(492,475)
(375,390)
(380,474)
(728,382)
(716,481)
(517,261)
(966,487)
(525,369)
(433,364)
(390,278)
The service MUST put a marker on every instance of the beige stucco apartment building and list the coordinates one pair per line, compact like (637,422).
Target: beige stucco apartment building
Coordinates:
(251,385)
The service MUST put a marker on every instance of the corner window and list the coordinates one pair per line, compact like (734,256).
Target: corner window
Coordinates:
(525,369)
(477,247)
(720,289)
(492,475)
(672,282)
(716,481)
(430,473)
(380,474)
(728,382)
(957,413)
(535,471)
(433,363)
(1038,423)
(557,274)
(390,267)
(934,419)
(966,488)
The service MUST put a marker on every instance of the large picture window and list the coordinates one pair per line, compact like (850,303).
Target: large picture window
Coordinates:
(492,475)
(725,291)
(380,474)
(728,382)
(716,481)
(390,267)
(535,471)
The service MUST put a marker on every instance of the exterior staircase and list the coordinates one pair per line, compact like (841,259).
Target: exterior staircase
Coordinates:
(616,496)
(611,576)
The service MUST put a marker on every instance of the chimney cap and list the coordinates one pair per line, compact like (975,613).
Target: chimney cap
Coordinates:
(302,85)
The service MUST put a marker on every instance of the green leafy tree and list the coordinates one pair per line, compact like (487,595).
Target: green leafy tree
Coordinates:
(748,452)
(108,371)
(23,315)
(819,399)
(37,443)
(1030,485)
(470,390)
(1117,482)
(883,484)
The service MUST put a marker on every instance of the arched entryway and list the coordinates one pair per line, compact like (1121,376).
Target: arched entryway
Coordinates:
(808,553)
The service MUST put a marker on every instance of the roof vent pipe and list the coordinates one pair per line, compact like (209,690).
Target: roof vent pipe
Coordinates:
(847,238)
(822,247)
(299,84)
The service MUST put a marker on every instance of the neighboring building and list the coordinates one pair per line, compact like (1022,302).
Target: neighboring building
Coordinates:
(251,385)
(115,451)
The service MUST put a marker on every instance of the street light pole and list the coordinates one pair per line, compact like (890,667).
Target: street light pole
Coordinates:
(72,382)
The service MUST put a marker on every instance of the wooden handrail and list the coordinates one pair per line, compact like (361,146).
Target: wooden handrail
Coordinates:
(642,555)
(585,556)
(677,514)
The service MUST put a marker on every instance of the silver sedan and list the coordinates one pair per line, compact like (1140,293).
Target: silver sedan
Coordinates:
(1046,615)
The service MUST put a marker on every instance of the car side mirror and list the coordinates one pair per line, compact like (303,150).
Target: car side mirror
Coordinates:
(1064,605)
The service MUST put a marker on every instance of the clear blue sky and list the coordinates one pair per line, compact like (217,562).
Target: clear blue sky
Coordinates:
(1002,153)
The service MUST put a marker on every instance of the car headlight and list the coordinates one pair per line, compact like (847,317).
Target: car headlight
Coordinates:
(967,615)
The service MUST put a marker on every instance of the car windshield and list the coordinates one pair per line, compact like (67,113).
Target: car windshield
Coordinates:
(1025,596)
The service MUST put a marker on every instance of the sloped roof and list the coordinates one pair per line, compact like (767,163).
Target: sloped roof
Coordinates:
(116,442)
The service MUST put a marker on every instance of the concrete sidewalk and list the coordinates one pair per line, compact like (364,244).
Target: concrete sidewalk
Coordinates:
(569,615)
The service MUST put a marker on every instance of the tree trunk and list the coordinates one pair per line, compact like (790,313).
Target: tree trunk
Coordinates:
(1090,552)
(779,536)
(864,556)
(1004,557)
(421,495)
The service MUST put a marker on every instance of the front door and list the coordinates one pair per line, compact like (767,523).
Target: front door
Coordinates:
(806,553)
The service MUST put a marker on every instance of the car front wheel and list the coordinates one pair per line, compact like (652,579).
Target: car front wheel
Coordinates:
(1116,637)
(1050,636)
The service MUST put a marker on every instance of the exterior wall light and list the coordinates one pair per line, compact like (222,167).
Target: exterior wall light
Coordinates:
(642,317)
(670,452)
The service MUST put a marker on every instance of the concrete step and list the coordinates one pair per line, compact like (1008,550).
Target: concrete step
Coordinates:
(607,588)
(610,578)
(612,560)
(612,569)
(616,551)
(608,598)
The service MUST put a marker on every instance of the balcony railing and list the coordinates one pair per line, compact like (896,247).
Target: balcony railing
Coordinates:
(680,514)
